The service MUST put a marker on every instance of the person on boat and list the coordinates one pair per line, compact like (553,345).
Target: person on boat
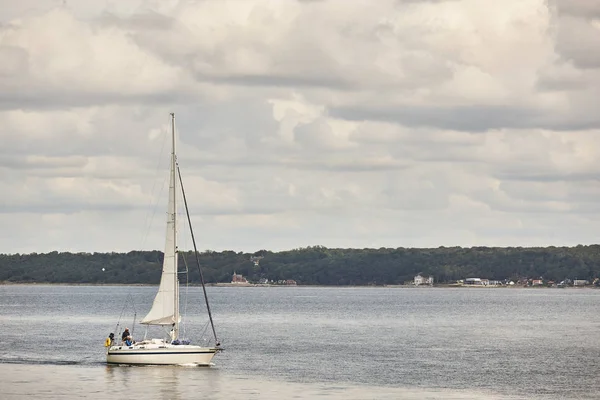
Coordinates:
(109,340)
(126,337)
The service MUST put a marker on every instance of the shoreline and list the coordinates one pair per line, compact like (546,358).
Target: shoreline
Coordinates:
(253,285)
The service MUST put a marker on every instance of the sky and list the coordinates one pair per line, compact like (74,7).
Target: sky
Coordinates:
(341,123)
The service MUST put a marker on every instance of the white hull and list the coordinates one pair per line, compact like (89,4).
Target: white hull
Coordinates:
(166,354)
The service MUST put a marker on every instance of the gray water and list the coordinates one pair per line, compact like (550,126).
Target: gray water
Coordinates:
(304,342)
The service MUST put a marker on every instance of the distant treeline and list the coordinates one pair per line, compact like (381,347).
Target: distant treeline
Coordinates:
(315,265)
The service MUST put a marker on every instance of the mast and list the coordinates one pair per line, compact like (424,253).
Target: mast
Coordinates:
(173,189)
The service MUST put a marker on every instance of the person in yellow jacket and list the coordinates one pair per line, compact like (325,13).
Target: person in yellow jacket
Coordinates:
(109,340)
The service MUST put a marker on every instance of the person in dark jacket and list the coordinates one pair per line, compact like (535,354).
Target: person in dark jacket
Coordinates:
(126,337)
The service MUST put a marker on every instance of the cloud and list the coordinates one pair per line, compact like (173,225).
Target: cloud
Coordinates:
(472,118)
(578,40)
(77,65)
(350,124)
(580,8)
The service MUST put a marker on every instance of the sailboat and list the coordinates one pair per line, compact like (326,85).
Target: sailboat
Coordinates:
(165,308)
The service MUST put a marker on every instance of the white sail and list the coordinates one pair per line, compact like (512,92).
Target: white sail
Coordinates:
(164,310)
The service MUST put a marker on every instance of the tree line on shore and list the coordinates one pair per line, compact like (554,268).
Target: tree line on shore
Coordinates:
(314,265)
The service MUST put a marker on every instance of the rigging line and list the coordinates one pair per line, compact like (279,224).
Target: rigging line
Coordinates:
(204,329)
(117,330)
(147,224)
(182,243)
(133,323)
(155,207)
(187,289)
(187,211)
(129,301)
(123,311)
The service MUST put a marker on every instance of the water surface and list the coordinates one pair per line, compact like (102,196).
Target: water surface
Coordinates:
(303,342)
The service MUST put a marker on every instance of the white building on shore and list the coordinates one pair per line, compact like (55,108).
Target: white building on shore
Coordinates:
(421,280)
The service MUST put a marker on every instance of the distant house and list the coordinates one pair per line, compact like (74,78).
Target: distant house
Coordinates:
(481,282)
(537,282)
(421,280)
(237,278)
(290,282)
(580,282)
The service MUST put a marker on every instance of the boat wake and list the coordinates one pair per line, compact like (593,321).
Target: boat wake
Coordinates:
(195,365)
(46,362)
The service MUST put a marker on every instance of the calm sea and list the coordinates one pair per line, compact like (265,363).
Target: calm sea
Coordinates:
(304,343)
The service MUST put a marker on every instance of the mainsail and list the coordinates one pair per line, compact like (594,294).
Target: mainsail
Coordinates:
(165,309)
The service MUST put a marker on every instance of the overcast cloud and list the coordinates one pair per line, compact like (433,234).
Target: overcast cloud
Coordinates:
(388,123)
